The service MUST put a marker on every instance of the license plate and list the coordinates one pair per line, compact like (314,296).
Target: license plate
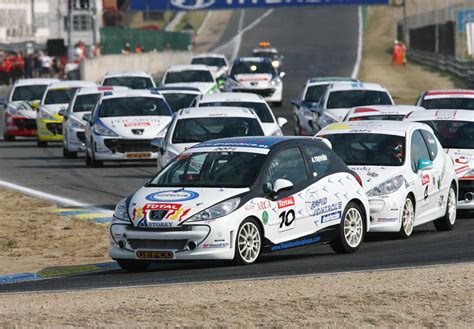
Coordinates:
(143,155)
(147,254)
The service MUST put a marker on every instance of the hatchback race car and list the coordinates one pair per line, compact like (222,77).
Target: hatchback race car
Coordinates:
(256,75)
(305,110)
(455,99)
(22,103)
(235,198)
(381,112)
(129,79)
(265,50)
(217,63)
(73,128)
(194,125)
(56,98)
(179,97)
(123,124)
(197,76)
(408,178)
(455,131)
(271,125)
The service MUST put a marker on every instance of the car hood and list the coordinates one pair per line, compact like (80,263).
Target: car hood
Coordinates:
(79,115)
(337,114)
(177,204)
(463,160)
(139,127)
(204,87)
(374,175)
(27,112)
(253,80)
(53,108)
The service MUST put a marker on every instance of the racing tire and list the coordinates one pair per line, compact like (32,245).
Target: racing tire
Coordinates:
(446,223)
(408,219)
(8,138)
(69,155)
(41,143)
(88,159)
(278,104)
(132,265)
(351,230)
(248,243)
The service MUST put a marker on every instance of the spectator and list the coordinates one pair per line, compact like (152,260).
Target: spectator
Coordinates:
(126,49)
(30,65)
(46,63)
(7,67)
(98,50)
(139,49)
(18,67)
(37,66)
(397,53)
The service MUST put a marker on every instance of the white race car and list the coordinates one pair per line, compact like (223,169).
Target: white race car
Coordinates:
(179,97)
(84,101)
(197,76)
(216,62)
(22,103)
(256,75)
(455,132)
(455,99)
(340,97)
(129,79)
(381,112)
(408,178)
(271,125)
(123,124)
(234,198)
(194,125)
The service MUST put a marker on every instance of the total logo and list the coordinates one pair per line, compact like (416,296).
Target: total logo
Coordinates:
(192,4)
(172,196)
(286,202)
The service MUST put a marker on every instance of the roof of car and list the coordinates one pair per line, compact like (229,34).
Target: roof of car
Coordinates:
(38,81)
(362,111)
(127,74)
(357,86)
(132,93)
(209,55)
(265,49)
(455,93)
(165,90)
(444,115)
(258,142)
(325,80)
(399,128)
(252,59)
(100,89)
(72,84)
(187,67)
(231,97)
(216,111)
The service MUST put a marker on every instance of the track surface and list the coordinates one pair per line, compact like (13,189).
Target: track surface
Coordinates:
(315,42)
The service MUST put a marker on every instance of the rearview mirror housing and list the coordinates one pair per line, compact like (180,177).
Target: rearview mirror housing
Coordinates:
(87,117)
(282,121)
(424,164)
(282,185)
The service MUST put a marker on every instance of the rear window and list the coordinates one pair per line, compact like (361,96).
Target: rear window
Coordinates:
(393,117)
(356,98)
(209,61)
(261,109)
(130,82)
(188,76)
(178,101)
(448,103)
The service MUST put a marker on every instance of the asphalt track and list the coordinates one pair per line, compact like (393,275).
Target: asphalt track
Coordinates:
(315,42)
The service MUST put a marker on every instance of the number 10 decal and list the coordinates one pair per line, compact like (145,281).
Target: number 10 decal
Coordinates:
(287,220)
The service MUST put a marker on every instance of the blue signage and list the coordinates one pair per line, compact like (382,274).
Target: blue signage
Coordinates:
(464,16)
(178,5)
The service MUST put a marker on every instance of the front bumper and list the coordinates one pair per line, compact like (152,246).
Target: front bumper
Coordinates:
(386,212)
(75,139)
(20,126)
(119,149)
(50,130)
(270,93)
(464,202)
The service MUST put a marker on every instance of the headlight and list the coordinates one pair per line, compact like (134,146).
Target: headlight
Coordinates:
(42,114)
(76,124)
(275,81)
(14,111)
(276,64)
(388,187)
(325,120)
(121,211)
(219,210)
(101,130)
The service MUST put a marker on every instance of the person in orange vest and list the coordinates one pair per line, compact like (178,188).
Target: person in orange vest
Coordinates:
(7,67)
(397,53)
(139,49)
(404,49)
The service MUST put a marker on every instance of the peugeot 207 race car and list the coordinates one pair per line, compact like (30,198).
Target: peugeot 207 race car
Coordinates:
(256,75)
(408,178)
(179,97)
(56,98)
(271,125)
(84,101)
(217,63)
(305,108)
(234,198)
(455,99)
(194,125)
(381,112)
(265,50)
(123,124)
(20,113)
(130,79)
(197,76)
(455,131)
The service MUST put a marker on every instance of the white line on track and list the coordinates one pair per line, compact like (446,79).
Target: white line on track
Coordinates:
(360,43)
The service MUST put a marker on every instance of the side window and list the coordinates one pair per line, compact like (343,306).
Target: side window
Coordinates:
(418,149)
(288,164)
(319,160)
(431,143)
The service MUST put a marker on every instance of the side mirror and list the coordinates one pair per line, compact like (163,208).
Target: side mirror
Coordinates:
(158,143)
(282,121)
(3,103)
(325,141)
(62,112)
(87,117)
(295,102)
(282,74)
(424,164)
(282,185)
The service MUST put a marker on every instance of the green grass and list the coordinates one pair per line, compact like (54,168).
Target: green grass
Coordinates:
(67,270)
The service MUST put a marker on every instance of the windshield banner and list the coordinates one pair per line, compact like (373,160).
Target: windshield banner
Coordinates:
(178,5)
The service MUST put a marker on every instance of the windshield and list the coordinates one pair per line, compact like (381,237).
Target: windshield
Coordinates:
(209,61)
(133,106)
(314,93)
(130,82)
(212,169)
(261,109)
(85,103)
(28,93)
(369,149)
(198,130)
(393,117)
(253,68)
(453,134)
(448,103)
(59,96)
(356,98)
(178,101)
(266,54)
(188,76)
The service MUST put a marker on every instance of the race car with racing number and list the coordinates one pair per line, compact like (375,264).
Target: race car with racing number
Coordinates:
(408,178)
(453,99)
(455,131)
(265,50)
(129,79)
(197,76)
(381,112)
(235,198)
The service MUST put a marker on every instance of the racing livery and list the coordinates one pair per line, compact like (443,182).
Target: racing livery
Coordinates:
(129,79)
(234,198)
(454,99)
(197,76)
(455,131)
(408,178)
(381,112)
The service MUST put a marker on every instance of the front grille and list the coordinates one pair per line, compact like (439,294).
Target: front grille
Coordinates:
(261,92)
(26,124)
(465,186)
(158,244)
(128,145)
(81,136)
(55,128)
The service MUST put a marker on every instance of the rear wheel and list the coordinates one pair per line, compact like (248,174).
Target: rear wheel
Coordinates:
(88,159)
(351,230)
(132,265)
(248,243)
(277,104)
(41,143)
(446,223)
(8,138)
(408,219)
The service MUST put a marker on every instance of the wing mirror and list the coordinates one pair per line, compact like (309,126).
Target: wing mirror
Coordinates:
(62,112)
(282,75)
(282,121)
(159,144)
(279,186)
(325,141)
(295,102)
(424,164)
(88,118)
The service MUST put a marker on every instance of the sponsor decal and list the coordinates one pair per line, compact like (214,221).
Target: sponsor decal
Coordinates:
(461,161)
(462,169)
(286,202)
(141,254)
(215,245)
(332,216)
(425,179)
(257,205)
(162,206)
(297,243)
(137,124)
(387,219)
(319,158)
(265,218)
(441,201)
(172,196)
(372,174)
(155,224)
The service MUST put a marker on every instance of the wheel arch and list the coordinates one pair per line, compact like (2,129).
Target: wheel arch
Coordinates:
(259,223)
(366,215)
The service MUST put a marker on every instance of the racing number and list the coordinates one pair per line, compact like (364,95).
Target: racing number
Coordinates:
(287,220)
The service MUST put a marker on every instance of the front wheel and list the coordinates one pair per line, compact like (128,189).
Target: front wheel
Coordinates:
(351,230)
(248,243)
(408,219)
(8,138)
(446,223)
(132,265)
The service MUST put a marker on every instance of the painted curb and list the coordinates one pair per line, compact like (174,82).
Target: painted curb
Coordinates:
(20,277)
